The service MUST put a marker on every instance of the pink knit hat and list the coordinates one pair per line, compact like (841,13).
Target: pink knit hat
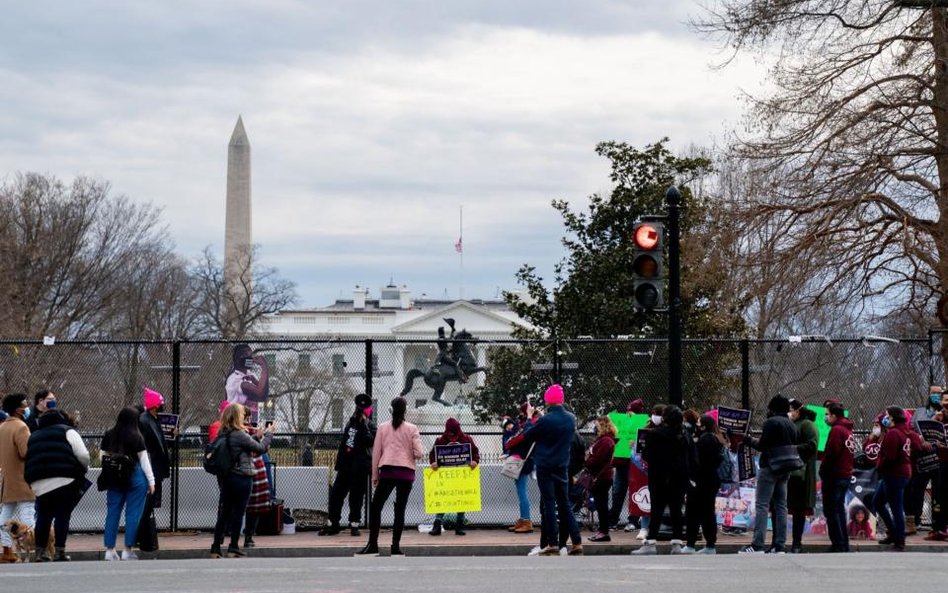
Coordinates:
(554,395)
(224,404)
(152,398)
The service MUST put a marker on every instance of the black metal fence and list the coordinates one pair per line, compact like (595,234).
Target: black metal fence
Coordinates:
(312,384)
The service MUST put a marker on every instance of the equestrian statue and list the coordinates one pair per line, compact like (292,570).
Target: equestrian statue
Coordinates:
(453,363)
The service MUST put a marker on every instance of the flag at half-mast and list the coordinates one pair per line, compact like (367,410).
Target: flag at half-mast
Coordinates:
(459,246)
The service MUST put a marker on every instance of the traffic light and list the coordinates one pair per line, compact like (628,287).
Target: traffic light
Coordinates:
(648,249)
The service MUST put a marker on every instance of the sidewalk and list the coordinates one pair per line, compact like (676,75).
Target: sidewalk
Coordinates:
(477,542)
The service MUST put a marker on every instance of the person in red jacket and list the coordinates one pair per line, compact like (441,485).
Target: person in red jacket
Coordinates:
(895,470)
(836,471)
(598,464)
(452,435)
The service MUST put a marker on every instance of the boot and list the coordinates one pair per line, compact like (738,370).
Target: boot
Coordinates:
(8,556)
(436,530)
(354,530)
(910,527)
(526,526)
(61,555)
(514,527)
(248,542)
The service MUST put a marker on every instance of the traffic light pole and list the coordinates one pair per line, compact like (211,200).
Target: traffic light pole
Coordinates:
(673,205)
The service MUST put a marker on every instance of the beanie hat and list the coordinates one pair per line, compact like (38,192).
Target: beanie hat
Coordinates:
(152,398)
(554,395)
(636,406)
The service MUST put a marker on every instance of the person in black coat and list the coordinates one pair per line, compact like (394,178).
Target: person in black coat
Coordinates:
(669,453)
(706,483)
(157,448)
(353,468)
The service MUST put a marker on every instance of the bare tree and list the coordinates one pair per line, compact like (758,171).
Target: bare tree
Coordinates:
(856,133)
(65,252)
(227,311)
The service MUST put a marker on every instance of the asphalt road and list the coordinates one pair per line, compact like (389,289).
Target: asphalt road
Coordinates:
(731,573)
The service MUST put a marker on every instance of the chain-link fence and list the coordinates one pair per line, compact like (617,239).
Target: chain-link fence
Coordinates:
(310,386)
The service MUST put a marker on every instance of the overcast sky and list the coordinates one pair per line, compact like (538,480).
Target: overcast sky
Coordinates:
(371,121)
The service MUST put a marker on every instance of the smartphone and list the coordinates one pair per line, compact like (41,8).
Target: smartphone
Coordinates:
(253,425)
(268,424)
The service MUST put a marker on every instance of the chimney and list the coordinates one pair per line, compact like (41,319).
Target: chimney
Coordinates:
(358,298)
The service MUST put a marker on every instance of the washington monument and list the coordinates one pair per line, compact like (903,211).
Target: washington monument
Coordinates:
(237,233)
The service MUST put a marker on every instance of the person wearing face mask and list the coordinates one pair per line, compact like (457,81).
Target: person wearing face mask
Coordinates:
(353,468)
(156,446)
(836,471)
(16,497)
(895,470)
(41,403)
(801,487)
(918,484)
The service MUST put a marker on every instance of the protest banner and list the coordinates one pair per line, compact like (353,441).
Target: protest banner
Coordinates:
(640,502)
(932,432)
(628,425)
(745,463)
(863,484)
(640,440)
(453,455)
(733,420)
(169,423)
(452,490)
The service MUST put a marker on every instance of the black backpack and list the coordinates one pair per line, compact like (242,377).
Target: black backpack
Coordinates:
(217,457)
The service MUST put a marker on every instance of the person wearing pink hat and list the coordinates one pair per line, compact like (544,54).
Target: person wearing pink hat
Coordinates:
(156,446)
(552,435)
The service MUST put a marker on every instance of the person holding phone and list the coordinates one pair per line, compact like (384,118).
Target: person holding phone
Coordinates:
(258,504)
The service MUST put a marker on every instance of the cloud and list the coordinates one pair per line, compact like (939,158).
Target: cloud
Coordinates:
(371,123)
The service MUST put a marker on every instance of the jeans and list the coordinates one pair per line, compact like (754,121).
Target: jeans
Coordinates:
(770,486)
(554,500)
(22,511)
(133,501)
(620,489)
(402,489)
(522,497)
(55,508)
(351,483)
(891,492)
(834,508)
(458,526)
(231,507)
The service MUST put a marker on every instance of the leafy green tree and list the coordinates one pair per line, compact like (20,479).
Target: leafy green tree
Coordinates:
(592,296)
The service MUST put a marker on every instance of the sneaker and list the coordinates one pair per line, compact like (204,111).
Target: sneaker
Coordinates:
(576,550)
(614,527)
(112,556)
(643,533)
(216,552)
(750,550)
(647,549)
(629,528)
(777,551)
(796,549)
(129,555)
(535,551)
(686,550)
(368,550)
(563,551)
(707,551)
(599,537)
(675,548)
(354,530)
(233,552)
(550,551)
(329,530)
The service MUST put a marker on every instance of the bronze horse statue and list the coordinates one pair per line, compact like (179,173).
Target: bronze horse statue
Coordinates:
(447,366)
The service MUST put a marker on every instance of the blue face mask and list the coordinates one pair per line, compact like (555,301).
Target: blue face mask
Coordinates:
(935,399)
(886,422)
(27,413)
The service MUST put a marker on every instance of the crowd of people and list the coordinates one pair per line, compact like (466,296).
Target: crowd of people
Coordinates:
(685,456)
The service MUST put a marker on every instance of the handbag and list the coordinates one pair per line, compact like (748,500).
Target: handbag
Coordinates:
(116,472)
(148,533)
(585,480)
(514,465)
(785,459)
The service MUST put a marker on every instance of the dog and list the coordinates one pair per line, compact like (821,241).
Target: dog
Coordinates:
(24,540)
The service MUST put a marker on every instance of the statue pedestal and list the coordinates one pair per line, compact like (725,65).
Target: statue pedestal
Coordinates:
(432,416)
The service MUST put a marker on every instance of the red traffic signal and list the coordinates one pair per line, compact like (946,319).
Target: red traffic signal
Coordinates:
(647,236)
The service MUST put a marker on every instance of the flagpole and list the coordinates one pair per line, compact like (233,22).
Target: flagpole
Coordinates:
(461,250)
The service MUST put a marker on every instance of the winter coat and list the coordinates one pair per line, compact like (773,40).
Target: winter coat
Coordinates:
(777,431)
(450,439)
(895,455)
(242,446)
(839,455)
(521,450)
(355,448)
(599,459)
(669,452)
(156,446)
(14,442)
(708,458)
(396,447)
(801,487)
(553,433)
(50,453)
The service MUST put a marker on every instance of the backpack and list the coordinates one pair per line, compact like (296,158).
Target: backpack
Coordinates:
(217,457)
(726,467)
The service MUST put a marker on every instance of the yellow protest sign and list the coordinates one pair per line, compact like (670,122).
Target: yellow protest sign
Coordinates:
(452,490)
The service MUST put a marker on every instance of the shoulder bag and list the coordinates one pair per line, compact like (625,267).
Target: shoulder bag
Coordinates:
(514,465)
